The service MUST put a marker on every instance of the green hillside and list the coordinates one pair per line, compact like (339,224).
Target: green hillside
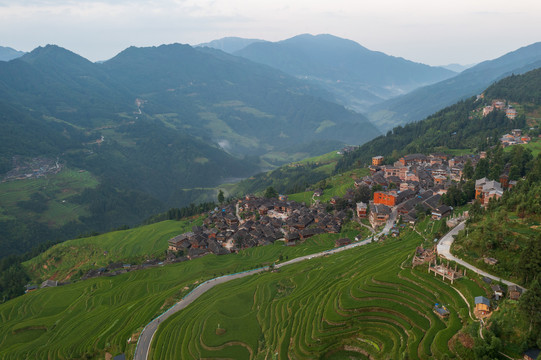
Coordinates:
(426,100)
(74,257)
(366,302)
(88,318)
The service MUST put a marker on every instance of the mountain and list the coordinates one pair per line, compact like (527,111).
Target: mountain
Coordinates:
(153,127)
(461,125)
(229,44)
(458,68)
(7,53)
(246,107)
(426,100)
(357,76)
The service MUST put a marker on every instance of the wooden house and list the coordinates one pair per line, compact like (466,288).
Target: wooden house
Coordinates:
(514,292)
(482,304)
(362,210)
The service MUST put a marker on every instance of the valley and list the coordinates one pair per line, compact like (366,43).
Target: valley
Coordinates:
(225,201)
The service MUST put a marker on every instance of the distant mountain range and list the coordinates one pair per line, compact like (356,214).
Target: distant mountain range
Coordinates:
(357,76)
(424,101)
(7,53)
(229,44)
(152,124)
(458,68)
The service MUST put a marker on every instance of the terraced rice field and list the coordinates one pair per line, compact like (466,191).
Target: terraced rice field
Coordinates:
(88,318)
(358,303)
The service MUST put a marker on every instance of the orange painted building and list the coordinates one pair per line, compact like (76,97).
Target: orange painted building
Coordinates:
(384,198)
(377,160)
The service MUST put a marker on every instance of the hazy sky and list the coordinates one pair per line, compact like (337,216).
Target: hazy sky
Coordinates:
(434,32)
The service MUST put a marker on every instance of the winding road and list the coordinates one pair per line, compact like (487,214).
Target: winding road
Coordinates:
(444,249)
(145,338)
(444,246)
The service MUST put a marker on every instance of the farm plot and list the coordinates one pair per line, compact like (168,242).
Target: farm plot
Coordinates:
(366,301)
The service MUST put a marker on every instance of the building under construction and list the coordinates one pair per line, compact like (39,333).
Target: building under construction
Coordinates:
(445,271)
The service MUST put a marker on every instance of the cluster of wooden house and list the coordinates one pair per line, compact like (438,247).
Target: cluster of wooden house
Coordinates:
(500,104)
(414,182)
(254,221)
(514,138)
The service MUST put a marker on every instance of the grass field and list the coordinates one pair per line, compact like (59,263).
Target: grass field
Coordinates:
(57,189)
(360,303)
(90,317)
(134,245)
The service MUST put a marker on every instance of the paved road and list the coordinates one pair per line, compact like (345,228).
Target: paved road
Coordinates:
(143,344)
(444,249)
(145,339)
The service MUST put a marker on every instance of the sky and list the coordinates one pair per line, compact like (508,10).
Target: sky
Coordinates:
(433,32)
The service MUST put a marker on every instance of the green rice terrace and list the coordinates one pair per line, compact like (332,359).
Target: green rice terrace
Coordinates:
(91,317)
(361,303)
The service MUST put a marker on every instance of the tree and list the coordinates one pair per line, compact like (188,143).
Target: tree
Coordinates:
(530,303)
(468,170)
(362,194)
(270,192)
(221,197)
(482,169)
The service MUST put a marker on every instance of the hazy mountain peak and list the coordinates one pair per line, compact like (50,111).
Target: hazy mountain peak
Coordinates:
(229,44)
(358,77)
(7,53)
(53,53)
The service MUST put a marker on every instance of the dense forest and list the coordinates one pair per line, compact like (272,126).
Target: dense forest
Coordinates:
(518,88)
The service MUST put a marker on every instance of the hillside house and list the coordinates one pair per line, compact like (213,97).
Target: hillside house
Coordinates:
(441,311)
(487,110)
(511,113)
(497,292)
(487,189)
(379,214)
(482,304)
(377,160)
(490,261)
(514,292)
(413,159)
(441,212)
(498,104)
(385,198)
(180,242)
(362,210)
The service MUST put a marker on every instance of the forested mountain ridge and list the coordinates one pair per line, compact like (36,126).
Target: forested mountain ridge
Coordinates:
(357,76)
(147,124)
(424,101)
(461,126)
